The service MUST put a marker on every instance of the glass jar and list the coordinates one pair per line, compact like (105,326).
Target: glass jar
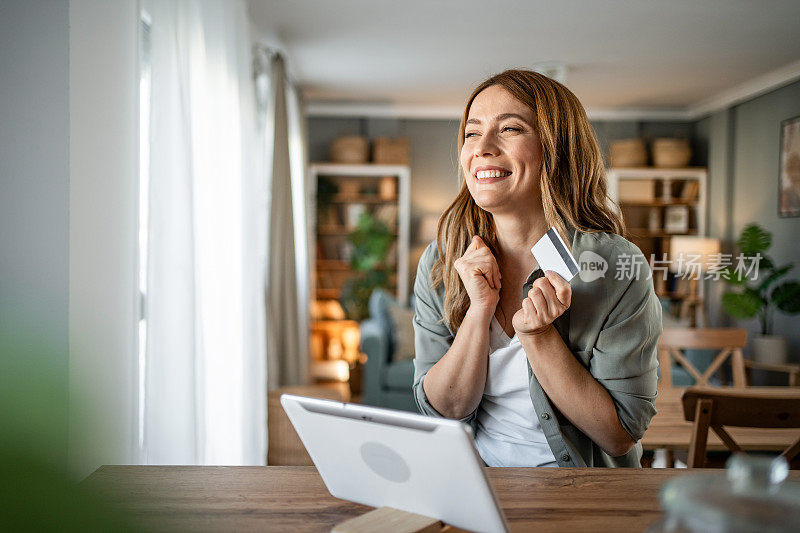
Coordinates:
(752,495)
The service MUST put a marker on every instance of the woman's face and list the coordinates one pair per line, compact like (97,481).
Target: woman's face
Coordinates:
(502,154)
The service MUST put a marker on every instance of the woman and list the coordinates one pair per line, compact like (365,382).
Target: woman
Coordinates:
(548,373)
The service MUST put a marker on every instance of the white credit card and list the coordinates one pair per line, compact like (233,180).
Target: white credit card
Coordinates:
(552,254)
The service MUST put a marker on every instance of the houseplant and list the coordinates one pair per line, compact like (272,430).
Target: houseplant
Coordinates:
(762,298)
(371,240)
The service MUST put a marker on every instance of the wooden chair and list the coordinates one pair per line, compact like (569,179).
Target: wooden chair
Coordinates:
(718,407)
(729,341)
(791,369)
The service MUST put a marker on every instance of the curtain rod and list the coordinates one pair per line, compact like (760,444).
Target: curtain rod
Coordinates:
(262,58)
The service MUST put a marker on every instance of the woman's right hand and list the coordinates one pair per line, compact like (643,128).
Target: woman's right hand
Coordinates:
(480,275)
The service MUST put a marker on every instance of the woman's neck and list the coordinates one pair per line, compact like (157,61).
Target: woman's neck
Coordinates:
(516,234)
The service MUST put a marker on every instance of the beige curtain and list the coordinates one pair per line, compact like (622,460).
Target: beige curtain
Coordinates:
(287,308)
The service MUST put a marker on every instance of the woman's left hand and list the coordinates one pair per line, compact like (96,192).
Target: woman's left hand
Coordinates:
(549,297)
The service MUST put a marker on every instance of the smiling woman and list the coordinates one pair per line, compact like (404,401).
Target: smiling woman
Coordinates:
(549,373)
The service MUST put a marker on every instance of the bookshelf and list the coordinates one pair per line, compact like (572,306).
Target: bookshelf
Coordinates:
(656,204)
(339,194)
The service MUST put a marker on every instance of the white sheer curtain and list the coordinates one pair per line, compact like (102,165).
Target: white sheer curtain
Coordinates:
(205,372)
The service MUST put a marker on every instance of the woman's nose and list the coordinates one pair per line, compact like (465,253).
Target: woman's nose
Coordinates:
(486,146)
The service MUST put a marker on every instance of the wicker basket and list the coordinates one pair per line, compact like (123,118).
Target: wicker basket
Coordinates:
(628,153)
(671,153)
(350,149)
(388,151)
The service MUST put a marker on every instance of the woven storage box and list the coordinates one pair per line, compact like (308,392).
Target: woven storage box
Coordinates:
(671,153)
(388,151)
(350,149)
(636,190)
(628,153)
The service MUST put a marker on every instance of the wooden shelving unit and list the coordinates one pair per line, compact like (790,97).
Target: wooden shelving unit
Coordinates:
(358,190)
(645,212)
(668,188)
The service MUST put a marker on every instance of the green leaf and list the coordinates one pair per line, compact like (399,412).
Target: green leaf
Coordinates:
(765,263)
(733,277)
(371,241)
(754,239)
(776,274)
(742,305)
(786,297)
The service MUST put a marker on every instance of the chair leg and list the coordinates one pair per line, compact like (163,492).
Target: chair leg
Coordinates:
(737,360)
(697,447)
(665,362)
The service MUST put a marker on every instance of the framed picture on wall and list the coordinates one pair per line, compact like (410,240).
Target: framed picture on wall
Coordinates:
(789,181)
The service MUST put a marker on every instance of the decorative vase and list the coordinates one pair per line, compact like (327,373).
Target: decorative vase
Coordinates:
(769,349)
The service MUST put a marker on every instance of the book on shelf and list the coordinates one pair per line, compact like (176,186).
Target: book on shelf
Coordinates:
(676,219)
(329,248)
(354,212)
(387,214)
(691,190)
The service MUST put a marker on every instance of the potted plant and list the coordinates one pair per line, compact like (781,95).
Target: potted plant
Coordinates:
(763,296)
(371,240)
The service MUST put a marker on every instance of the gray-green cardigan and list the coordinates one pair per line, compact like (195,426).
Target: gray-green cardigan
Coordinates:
(612,327)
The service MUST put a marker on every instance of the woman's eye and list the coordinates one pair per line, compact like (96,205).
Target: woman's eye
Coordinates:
(511,128)
(468,135)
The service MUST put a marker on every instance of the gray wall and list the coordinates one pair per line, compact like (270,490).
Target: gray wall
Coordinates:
(744,151)
(68,165)
(34,214)
(103,298)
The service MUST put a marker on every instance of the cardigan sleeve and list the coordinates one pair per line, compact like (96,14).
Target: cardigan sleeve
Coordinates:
(432,337)
(625,355)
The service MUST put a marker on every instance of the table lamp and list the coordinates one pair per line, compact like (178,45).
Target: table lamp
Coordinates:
(691,257)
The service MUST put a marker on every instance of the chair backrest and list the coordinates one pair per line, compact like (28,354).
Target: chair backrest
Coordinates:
(757,408)
(729,342)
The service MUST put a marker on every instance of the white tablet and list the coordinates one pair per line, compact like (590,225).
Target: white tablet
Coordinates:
(388,458)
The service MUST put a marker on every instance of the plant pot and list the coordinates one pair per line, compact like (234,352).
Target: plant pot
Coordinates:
(769,349)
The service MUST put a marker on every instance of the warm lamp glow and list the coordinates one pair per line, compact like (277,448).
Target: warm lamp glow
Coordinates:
(693,255)
(335,349)
(351,338)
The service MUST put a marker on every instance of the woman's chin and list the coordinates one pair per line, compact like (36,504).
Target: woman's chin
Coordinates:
(491,202)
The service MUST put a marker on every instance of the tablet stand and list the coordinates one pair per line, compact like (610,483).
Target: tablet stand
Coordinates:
(395,520)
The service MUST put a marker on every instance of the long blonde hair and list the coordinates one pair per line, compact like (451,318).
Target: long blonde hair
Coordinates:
(572,177)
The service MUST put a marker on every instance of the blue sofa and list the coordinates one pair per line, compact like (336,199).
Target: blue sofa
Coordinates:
(386,383)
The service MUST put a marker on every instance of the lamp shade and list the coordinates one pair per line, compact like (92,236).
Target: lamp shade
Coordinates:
(688,254)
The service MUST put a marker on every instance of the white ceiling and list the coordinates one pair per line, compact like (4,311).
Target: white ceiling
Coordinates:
(675,58)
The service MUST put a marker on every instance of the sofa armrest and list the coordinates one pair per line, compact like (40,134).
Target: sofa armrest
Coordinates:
(375,344)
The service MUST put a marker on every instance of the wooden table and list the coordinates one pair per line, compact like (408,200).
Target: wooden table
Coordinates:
(668,429)
(281,498)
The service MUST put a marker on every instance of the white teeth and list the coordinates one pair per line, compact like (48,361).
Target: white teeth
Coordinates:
(484,174)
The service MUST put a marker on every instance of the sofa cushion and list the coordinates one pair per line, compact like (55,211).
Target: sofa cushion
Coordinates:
(379,302)
(399,375)
(403,332)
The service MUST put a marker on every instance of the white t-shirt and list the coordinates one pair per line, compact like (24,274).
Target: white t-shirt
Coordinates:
(508,432)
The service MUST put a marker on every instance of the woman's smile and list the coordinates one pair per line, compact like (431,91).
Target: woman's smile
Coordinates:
(485,175)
